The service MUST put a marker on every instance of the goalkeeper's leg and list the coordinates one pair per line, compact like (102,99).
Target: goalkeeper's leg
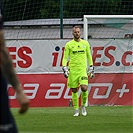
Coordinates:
(84,96)
(75,101)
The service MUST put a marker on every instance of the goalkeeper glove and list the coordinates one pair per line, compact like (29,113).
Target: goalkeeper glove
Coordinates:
(65,71)
(91,72)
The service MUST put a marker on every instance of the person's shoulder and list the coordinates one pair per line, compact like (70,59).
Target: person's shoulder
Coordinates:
(69,42)
(84,41)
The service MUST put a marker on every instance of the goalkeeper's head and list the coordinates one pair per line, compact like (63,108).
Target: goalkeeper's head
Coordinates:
(76,33)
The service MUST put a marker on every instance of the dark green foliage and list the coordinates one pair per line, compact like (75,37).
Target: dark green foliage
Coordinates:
(42,9)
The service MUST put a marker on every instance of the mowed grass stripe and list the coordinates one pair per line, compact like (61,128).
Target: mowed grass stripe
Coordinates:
(107,119)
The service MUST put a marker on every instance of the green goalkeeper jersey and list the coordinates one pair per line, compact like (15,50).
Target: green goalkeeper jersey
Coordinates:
(78,54)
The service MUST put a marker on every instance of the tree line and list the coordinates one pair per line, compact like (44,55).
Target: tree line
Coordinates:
(46,9)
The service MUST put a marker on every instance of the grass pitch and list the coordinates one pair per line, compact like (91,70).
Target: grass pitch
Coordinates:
(100,119)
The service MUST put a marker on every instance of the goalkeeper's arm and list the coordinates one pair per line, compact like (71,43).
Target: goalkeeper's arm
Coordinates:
(65,61)
(90,71)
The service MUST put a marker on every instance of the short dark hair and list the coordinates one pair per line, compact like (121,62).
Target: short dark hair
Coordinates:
(76,26)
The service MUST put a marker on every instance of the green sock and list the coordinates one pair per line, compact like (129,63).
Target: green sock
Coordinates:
(84,97)
(75,100)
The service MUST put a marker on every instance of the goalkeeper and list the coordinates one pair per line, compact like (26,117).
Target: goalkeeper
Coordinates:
(78,52)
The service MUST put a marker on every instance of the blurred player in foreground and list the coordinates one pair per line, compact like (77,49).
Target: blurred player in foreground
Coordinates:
(78,52)
(8,75)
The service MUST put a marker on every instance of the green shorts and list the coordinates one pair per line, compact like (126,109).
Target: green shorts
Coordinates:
(77,77)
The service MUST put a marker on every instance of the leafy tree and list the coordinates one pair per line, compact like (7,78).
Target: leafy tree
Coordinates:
(41,9)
